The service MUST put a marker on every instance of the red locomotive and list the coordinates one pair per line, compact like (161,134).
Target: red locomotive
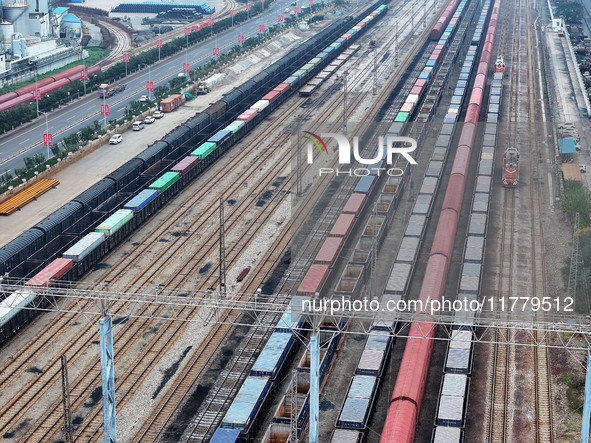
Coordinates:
(511,168)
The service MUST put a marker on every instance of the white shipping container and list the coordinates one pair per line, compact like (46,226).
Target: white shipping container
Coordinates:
(260,105)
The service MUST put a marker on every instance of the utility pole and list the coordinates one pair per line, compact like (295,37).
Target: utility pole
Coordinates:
(66,401)
(222,251)
(108,376)
(396,43)
(345,74)
(299,187)
(372,45)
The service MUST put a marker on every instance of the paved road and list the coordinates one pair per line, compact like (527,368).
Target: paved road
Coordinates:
(28,140)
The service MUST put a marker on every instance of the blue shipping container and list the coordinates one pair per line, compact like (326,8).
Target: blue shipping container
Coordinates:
(365,184)
(272,355)
(225,436)
(246,404)
(220,136)
(141,200)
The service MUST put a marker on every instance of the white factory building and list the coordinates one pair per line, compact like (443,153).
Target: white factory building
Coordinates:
(35,40)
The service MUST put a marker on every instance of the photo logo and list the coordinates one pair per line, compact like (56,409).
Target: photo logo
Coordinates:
(394,145)
(316,143)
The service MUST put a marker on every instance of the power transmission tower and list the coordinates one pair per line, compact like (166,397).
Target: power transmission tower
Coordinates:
(293,413)
(222,251)
(66,401)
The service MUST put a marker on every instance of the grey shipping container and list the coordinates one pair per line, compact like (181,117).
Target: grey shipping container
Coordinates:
(416,225)
(399,278)
(458,361)
(85,246)
(429,185)
(474,249)
(451,411)
(354,413)
(454,385)
(447,434)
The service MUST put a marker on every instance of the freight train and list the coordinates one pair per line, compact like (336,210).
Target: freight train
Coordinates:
(406,400)
(356,410)
(33,250)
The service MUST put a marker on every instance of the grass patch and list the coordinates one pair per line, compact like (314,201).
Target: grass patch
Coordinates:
(575,391)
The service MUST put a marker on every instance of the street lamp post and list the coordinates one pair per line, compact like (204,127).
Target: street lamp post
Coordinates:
(36,92)
(47,132)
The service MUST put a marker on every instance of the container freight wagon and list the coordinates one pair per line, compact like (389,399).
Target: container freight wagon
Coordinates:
(12,318)
(245,413)
(55,270)
(115,222)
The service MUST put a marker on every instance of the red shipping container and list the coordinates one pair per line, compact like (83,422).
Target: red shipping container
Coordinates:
(354,204)
(247,115)
(329,251)
(416,90)
(439,47)
(282,87)
(185,165)
(346,36)
(421,82)
(374,14)
(342,226)
(51,272)
(313,281)
(271,96)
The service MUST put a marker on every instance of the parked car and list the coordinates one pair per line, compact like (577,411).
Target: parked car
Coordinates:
(149,120)
(583,167)
(158,114)
(138,126)
(144,98)
(116,139)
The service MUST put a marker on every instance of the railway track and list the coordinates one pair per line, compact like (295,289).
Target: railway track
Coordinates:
(50,424)
(521,256)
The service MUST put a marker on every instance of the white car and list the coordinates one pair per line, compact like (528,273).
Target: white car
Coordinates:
(149,120)
(116,139)
(144,98)
(158,114)
(583,167)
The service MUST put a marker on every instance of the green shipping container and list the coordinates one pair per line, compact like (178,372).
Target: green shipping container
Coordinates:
(300,73)
(315,61)
(307,66)
(115,222)
(335,45)
(401,117)
(234,126)
(165,182)
(204,150)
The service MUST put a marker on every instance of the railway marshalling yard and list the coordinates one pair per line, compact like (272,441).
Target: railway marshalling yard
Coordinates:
(176,380)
